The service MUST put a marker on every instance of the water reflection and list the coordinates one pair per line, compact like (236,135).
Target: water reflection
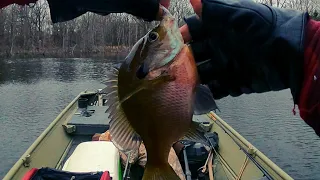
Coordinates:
(65,71)
(20,71)
(2,68)
(29,71)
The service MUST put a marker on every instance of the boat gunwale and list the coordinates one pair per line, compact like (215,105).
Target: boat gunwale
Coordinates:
(257,152)
(35,144)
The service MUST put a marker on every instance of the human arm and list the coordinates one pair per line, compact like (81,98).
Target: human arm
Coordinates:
(4,3)
(253,48)
(247,47)
(65,10)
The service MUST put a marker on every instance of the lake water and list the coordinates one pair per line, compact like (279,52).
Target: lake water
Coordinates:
(34,91)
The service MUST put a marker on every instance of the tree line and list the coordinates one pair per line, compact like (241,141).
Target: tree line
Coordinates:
(27,31)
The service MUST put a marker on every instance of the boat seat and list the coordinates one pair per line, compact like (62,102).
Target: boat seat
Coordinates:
(95,156)
(97,122)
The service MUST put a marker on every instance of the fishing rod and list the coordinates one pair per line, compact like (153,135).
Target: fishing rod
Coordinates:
(246,153)
(186,163)
(127,168)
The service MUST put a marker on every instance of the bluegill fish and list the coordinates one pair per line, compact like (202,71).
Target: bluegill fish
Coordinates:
(154,95)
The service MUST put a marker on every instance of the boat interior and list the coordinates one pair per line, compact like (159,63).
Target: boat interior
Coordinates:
(91,118)
(67,148)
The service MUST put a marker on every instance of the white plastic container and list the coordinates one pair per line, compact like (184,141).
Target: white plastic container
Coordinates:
(94,156)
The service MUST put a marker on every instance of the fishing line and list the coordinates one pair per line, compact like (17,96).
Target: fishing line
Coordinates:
(219,158)
(247,154)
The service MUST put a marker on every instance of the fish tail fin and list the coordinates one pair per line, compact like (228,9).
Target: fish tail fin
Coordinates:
(164,172)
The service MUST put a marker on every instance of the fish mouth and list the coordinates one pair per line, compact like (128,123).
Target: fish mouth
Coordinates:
(169,23)
(165,11)
(168,20)
(169,45)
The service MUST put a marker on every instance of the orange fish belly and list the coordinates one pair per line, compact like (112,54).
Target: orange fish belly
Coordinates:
(162,115)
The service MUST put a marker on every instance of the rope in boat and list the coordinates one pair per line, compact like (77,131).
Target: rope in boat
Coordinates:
(211,116)
(210,168)
(209,164)
(243,167)
(219,159)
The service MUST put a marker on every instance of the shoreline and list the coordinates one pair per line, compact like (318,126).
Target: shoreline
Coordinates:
(118,52)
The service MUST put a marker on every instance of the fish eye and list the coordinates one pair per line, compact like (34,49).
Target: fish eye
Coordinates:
(153,36)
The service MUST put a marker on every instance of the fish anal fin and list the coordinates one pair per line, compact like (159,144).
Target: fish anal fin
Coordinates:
(204,101)
(196,134)
(164,172)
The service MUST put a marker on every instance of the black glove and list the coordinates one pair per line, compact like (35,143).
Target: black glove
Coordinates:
(64,10)
(249,47)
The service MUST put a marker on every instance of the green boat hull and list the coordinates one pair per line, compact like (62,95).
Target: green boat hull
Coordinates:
(235,159)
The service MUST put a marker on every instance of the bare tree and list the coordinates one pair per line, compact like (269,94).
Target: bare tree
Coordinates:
(28,31)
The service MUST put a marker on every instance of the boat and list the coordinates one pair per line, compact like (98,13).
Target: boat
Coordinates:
(66,145)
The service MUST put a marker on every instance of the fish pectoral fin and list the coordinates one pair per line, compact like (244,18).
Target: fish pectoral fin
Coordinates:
(148,84)
(204,101)
(131,94)
(196,134)
(165,77)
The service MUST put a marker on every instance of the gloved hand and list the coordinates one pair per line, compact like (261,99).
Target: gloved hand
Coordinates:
(246,47)
(64,10)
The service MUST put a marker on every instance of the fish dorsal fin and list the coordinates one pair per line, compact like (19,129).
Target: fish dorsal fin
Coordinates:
(122,134)
(204,101)
(196,134)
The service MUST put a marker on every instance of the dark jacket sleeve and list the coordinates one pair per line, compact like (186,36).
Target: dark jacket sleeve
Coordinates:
(64,10)
(4,3)
(250,47)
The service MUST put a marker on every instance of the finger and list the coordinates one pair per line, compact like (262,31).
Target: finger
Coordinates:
(197,6)
(185,33)
(165,3)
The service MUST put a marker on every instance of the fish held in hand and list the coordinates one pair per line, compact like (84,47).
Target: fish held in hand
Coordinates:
(153,95)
